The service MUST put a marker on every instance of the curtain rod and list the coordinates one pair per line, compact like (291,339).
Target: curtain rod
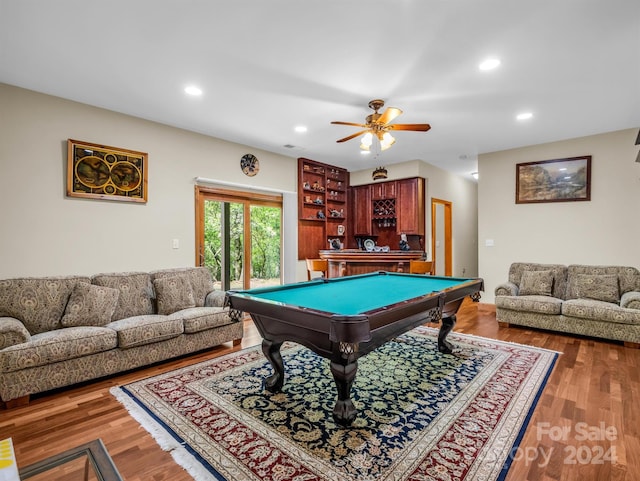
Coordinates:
(204,180)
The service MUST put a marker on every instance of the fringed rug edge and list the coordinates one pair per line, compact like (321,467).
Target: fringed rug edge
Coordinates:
(164,437)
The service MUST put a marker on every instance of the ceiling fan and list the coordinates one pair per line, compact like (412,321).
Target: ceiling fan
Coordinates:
(378,125)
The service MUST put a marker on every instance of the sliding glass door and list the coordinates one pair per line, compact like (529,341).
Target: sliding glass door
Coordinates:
(266,227)
(238,237)
(223,248)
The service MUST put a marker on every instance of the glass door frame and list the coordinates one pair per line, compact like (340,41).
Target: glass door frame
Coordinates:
(246,198)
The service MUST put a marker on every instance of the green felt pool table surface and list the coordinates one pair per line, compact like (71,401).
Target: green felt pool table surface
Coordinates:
(355,294)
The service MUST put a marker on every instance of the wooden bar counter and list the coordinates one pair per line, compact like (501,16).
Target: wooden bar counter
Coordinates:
(348,262)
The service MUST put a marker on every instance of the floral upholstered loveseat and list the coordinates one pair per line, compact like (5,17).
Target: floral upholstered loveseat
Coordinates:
(597,301)
(58,331)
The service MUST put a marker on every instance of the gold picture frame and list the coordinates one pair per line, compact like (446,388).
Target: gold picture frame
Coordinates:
(557,180)
(109,173)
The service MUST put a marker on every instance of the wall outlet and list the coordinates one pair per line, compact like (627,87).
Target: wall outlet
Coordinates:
(175,243)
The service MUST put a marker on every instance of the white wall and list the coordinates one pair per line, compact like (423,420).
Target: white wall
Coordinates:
(605,230)
(443,185)
(43,232)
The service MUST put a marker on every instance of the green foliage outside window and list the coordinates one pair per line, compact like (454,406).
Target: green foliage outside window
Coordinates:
(265,241)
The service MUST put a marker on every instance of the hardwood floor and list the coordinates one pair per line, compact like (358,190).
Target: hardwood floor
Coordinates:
(588,413)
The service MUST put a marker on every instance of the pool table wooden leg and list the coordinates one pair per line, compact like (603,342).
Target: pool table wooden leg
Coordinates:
(445,346)
(271,350)
(344,412)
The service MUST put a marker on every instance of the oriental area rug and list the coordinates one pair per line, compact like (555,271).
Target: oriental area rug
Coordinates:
(422,415)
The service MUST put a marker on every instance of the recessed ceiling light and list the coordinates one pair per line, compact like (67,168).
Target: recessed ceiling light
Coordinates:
(365,152)
(474,175)
(524,116)
(193,90)
(300,129)
(489,64)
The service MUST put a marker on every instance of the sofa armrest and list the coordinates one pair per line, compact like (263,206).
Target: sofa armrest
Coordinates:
(630,300)
(507,289)
(12,332)
(220,299)
(215,299)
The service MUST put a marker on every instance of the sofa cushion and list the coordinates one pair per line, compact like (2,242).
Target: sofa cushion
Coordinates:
(140,330)
(199,319)
(600,287)
(12,331)
(536,283)
(59,345)
(173,293)
(135,294)
(90,305)
(539,304)
(600,311)
(37,301)
(199,277)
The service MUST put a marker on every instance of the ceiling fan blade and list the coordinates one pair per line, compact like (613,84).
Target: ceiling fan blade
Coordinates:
(348,123)
(353,136)
(388,115)
(415,127)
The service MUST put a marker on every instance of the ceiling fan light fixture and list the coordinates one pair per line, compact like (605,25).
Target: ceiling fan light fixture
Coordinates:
(366,141)
(378,125)
(386,141)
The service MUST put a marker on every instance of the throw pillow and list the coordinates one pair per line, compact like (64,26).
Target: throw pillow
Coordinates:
(603,287)
(536,283)
(90,305)
(173,293)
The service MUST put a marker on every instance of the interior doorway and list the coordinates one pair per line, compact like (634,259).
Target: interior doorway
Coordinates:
(441,236)
(238,237)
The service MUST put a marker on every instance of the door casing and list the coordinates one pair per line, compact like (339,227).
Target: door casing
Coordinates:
(445,234)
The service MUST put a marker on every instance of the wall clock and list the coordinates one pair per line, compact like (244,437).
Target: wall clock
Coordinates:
(250,164)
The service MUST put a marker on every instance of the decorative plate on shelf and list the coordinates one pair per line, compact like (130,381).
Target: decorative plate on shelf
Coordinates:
(369,245)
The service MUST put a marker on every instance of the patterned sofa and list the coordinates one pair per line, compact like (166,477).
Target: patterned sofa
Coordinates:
(596,301)
(58,331)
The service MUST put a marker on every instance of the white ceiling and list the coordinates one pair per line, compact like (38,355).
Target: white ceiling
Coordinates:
(267,66)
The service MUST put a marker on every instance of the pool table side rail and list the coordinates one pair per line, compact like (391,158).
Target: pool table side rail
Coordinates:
(352,328)
(470,286)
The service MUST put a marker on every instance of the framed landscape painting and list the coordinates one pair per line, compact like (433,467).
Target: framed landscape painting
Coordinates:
(102,172)
(558,180)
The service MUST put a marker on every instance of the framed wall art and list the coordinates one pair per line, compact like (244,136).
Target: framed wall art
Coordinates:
(109,173)
(558,180)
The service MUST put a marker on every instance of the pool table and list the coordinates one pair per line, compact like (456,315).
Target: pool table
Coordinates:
(345,318)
